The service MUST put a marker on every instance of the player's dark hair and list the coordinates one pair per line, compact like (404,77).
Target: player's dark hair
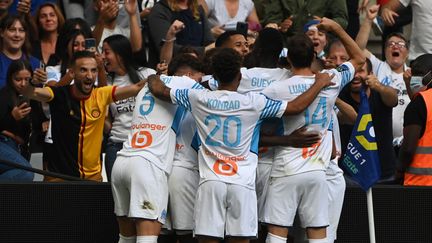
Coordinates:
(225,37)
(184,61)
(300,51)
(226,65)
(266,50)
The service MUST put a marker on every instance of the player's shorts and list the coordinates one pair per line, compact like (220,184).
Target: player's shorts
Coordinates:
(336,192)
(305,193)
(225,209)
(262,180)
(140,189)
(183,185)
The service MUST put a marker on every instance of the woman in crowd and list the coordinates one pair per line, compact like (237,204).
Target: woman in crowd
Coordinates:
(69,43)
(15,122)
(195,29)
(14,45)
(224,14)
(49,21)
(123,70)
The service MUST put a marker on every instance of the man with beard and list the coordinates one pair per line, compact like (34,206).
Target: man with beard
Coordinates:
(106,24)
(389,72)
(382,99)
(78,114)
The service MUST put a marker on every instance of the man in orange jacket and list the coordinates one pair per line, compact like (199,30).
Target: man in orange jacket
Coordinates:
(415,159)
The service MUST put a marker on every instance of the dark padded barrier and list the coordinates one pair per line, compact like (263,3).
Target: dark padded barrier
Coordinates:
(57,212)
(402,215)
(83,212)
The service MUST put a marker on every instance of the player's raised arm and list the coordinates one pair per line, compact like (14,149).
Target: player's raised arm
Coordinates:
(354,51)
(122,93)
(158,88)
(300,103)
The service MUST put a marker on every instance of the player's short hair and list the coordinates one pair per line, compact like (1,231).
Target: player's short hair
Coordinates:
(182,61)
(300,51)
(81,54)
(226,65)
(223,39)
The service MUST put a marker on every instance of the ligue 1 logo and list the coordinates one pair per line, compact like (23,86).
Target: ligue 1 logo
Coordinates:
(365,133)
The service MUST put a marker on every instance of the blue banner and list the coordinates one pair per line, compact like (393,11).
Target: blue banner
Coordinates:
(361,157)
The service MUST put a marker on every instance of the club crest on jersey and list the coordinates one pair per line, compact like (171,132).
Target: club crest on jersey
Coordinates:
(342,68)
(95,113)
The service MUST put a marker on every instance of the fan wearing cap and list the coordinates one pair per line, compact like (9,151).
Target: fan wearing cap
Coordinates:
(318,37)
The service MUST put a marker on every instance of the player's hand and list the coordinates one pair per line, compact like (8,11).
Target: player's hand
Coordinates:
(155,85)
(373,82)
(162,68)
(372,11)
(326,24)
(388,16)
(324,79)
(302,138)
(21,111)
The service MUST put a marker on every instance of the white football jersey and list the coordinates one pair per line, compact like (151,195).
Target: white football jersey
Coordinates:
(228,127)
(186,155)
(155,124)
(257,79)
(317,117)
(122,110)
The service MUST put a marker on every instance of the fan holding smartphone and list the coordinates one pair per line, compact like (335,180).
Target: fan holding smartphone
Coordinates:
(15,124)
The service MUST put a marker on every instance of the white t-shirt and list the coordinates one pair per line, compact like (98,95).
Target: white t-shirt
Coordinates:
(317,117)
(421,33)
(122,110)
(108,32)
(228,127)
(395,80)
(218,14)
(155,124)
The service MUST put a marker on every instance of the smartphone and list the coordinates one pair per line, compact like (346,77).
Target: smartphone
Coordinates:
(242,28)
(21,99)
(90,44)
(42,66)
